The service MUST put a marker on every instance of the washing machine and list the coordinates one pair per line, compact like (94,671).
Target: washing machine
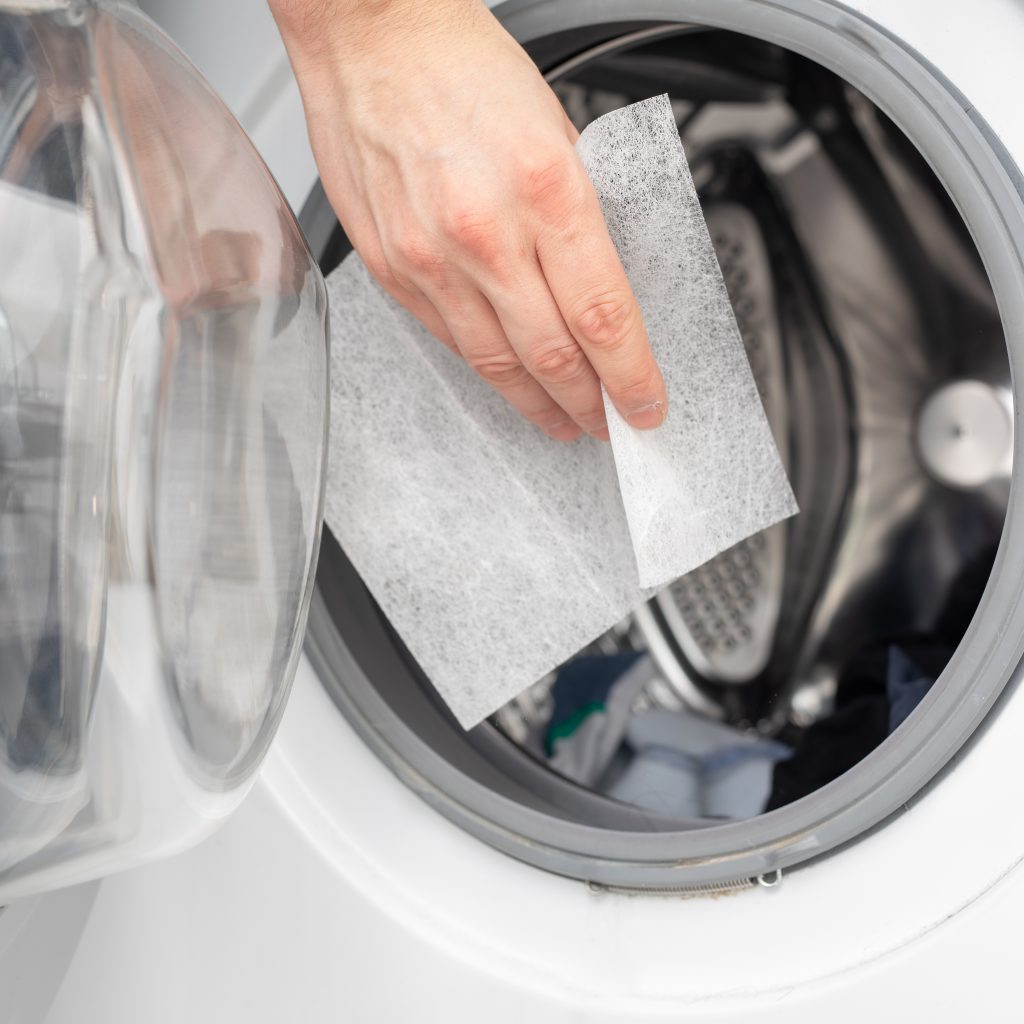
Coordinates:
(230,793)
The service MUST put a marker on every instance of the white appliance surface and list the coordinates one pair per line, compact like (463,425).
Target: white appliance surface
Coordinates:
(335,893)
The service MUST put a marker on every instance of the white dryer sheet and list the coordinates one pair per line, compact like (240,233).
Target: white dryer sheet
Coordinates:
(497,553)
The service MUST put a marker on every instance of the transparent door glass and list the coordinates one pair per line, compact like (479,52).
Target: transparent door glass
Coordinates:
(163,400)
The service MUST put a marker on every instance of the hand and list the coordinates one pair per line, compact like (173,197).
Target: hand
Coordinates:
(450,164)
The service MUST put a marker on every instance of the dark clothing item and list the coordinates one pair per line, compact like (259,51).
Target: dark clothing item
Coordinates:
(963,597)
(906,685)
(879,688)
(830,747)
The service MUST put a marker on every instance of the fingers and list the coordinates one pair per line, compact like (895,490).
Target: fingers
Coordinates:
(537,333)
(483,344)
(533,295)
(596,302)
(469,327)
(453,307)
(491,292)
(368,245)
(423,310)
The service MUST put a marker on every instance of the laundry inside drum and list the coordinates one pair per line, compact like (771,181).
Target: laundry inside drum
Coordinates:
(878,351)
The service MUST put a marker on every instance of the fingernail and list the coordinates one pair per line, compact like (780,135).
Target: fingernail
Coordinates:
(647,417)
(566,430)
(601,434)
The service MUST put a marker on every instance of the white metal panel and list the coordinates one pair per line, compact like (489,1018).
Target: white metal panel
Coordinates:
(337,890)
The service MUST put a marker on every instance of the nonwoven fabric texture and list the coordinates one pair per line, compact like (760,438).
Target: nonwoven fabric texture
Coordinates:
(497,553)
(711,474)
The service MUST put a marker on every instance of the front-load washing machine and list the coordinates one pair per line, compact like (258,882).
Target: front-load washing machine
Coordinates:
(859,167)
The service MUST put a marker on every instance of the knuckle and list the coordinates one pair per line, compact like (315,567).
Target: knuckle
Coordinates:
(548,183)
(499,371)
(474,230)
(562,363)
(420,256)
(606,322)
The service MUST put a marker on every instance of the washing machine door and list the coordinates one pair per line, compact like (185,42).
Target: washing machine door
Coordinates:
(163,401)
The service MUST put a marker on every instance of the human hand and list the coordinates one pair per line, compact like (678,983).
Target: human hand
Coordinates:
(450,164)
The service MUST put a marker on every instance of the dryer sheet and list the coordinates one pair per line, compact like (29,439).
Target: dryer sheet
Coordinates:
(497,553)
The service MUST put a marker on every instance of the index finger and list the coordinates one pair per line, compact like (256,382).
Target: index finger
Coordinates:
(586,278)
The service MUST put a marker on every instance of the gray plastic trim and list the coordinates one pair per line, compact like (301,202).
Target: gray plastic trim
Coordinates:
(988,189)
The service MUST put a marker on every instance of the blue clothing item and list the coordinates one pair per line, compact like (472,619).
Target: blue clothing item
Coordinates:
(905,686)
(594,698)
(582,688)
(688,767)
